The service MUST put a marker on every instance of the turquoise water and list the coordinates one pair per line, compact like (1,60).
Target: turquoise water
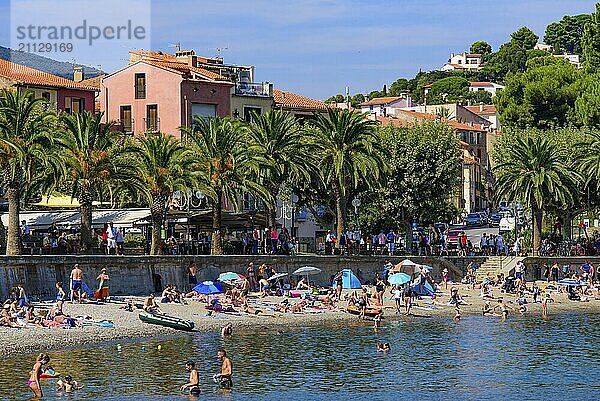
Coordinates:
(432,359)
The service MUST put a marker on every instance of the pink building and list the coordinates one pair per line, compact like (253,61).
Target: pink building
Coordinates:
(62,94)
(159,92)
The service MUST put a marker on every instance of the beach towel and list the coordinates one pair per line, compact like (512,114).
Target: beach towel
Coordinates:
(102,292)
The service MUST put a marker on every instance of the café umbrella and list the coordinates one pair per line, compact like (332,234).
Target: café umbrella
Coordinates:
(208,288)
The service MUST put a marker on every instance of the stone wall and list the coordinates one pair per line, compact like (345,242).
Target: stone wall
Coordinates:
(140,275)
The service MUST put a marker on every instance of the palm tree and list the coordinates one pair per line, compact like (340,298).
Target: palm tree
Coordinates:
(350,153)
(164,165)
(221,149)
(283,151)
(26,141)
(590,160)
(94,160)
(536,173)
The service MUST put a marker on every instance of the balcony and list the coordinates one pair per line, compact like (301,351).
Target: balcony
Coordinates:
(262,89)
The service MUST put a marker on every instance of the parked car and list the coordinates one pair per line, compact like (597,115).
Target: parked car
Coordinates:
(475,219)
(452,239)
(494,220)
(506,224)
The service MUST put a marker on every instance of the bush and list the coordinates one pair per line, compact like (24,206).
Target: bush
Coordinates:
(135,241)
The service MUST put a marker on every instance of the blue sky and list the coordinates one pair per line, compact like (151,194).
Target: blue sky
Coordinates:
(317,47)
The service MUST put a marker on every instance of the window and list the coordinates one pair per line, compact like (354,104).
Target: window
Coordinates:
(204,110)
(126,119)
(249,113)
(140,86)
(74,105)
(46,96)
(152,118)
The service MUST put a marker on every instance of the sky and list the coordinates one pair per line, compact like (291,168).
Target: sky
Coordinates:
(313,47)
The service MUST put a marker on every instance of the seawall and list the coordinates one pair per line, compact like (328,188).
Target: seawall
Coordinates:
(140,275)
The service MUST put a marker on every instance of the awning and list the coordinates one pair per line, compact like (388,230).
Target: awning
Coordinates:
(126,218)
(38,219)
(230,220)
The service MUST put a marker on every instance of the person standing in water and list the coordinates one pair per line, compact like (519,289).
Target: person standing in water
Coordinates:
(192,384)
(504,308)
(226,370)
(36,372)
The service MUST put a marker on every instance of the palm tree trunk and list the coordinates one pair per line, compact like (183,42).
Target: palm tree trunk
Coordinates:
(85,211)
(538,217)
(340,214)
(13,242)
(157,210)
(270,210)
(217,242)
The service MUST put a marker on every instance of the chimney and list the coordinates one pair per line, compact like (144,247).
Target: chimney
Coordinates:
(481,107)
(192,60)
(78,74)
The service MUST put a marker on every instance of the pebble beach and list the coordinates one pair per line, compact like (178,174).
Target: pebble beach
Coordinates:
(127,325)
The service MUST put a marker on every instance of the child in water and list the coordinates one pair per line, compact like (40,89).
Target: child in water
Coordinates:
(67,385)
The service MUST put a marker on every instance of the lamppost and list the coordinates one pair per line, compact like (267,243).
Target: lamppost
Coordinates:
(186,200)
(356,203)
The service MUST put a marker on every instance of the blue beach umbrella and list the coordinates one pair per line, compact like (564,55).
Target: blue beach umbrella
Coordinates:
(208,287)
(399,279)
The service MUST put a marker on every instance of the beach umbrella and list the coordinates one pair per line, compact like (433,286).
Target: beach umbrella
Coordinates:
(307,270)
(277,276)
(230,276)
(399,279)
(208,287)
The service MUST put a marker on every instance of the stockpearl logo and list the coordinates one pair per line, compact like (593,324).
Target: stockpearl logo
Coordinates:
(88,32)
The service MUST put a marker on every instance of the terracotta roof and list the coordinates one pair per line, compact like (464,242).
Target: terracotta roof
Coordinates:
(472,55)
(476,83)
(181,67)
(397,122)
(292,100)
(487,109)
(94,82)
(23,75)
(457,66)
(381,100)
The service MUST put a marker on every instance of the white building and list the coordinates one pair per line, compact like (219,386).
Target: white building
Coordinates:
(543,46)
(463,61)
(571,58)
(490,87)
(488,112)
(386,106)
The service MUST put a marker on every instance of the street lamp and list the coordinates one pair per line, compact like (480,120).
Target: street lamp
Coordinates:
(356,203)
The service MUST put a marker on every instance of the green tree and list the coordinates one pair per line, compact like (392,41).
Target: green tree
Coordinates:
(339,98)
(424,172)
(511,57)
(544,96)
(284,151)
(164,166)
(587,105)
(350,153)
(590,42)
(94,161)
(222,153)
(399,86)
(357,100)
(533,169)
(26,152)
(448,90)
(481,47)
(565,35)
(525,37)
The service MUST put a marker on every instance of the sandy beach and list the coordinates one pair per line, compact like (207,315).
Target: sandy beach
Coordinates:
(128,326)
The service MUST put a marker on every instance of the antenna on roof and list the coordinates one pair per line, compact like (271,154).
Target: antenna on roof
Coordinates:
(176,45)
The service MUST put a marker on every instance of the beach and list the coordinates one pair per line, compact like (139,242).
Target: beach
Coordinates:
(127,325)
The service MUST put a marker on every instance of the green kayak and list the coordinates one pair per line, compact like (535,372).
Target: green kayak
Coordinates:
(167,321)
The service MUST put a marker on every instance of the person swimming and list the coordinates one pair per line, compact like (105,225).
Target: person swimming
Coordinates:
(193,384)
(36,372)
(68,384)
(227,330)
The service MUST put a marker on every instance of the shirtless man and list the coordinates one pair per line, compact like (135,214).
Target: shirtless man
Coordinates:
(76,282)
(504,308)
(226,370)
(227,330)
(150,305)
(192,384)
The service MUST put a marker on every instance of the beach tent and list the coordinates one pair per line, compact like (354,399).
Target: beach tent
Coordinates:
(406,266)
(349,280)
(422,288)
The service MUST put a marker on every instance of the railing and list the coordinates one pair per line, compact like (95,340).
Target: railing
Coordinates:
(253,89)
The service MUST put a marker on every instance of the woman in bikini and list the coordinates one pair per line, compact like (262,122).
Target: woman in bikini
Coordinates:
(36,372)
